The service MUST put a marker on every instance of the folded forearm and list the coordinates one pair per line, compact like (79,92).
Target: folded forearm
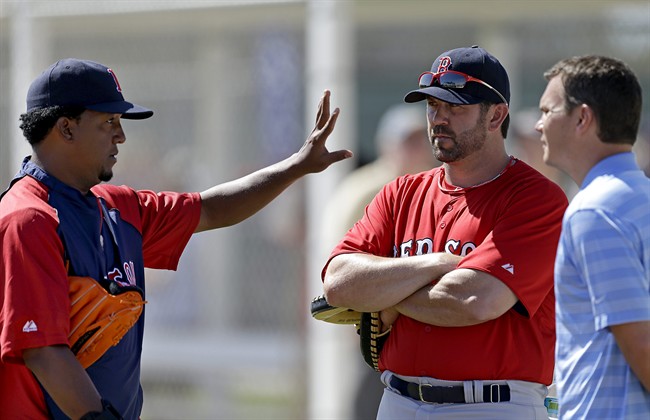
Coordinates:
(462,297)
(438,307)
(369,283)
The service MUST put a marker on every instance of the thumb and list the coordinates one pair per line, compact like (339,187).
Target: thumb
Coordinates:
(339,155)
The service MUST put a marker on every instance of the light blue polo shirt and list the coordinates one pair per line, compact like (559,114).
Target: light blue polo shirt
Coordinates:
(602,278)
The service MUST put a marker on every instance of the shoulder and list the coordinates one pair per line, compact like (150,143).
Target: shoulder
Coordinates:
(522,196)
(527,175)
(26,204)
(420,180)
(525,182)
(138,205)
(614,182)
(632,185)
(114,194)
(125,198)
(124,195)
(625,195)
(610,208)
(26,191)
(406,189)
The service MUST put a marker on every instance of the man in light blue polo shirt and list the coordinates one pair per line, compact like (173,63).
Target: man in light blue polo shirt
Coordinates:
(591,110)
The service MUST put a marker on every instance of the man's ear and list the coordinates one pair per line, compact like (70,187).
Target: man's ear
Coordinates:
(63,126)
(585,118)
(499,115)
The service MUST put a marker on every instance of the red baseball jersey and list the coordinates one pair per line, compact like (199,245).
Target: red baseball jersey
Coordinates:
(44,222)
(508,228)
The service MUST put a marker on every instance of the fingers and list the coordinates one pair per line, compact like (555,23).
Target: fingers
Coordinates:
(340,155)
(388,317)
(330,158)
(322,131)
(325,123)
(323,114)
(328,126)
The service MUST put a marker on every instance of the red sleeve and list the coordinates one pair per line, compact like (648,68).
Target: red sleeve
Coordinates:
(34,299)
(374,233)
(520,249)
(166,220)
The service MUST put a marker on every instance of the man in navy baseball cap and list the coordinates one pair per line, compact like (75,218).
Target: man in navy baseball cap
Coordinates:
(464,76)
(60,218)
(469,224)
(82,83)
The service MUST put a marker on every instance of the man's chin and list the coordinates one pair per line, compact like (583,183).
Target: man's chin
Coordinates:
(105,176)
(445,157)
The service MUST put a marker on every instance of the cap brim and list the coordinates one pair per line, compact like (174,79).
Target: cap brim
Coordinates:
(128,110)
(448,95)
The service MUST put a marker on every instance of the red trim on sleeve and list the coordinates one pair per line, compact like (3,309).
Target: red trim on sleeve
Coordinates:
(166,220)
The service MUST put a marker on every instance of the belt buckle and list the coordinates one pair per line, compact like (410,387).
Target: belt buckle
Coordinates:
(492,393)
(420,391)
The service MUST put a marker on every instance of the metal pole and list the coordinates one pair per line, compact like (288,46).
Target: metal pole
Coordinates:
(21,59)
(330,65)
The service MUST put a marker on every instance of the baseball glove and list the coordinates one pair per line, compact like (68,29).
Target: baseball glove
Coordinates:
(368,325)
(323,311)
(100,316)
(372,339)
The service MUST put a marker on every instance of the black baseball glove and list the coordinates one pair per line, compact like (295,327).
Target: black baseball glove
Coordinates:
(368,325)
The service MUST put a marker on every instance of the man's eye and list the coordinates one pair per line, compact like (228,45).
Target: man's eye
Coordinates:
(111,120)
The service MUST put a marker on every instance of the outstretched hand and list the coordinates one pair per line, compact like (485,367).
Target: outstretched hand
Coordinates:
(231,202)
(313,156)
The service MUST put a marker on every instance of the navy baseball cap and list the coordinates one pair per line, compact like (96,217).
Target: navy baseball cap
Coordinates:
(83,83)
(472,61)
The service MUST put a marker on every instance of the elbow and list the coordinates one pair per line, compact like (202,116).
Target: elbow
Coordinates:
(479,312)
(334,286)
(333,291)
(344,287)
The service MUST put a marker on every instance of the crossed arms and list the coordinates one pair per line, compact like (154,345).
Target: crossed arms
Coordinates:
(408,286)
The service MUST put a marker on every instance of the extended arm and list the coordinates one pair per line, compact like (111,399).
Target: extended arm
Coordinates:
(57,369)
(369,283)
(235,201)
(634,341)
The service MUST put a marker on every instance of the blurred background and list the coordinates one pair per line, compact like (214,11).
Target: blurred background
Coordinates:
(235,86)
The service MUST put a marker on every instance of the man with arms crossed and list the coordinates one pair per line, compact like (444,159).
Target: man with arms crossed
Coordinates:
(591,110)
(459,260)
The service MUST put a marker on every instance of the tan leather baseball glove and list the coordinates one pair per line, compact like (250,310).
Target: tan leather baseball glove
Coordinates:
(100,316)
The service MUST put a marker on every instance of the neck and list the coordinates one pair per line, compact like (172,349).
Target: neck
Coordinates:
(59,168)
(579,171)
(475,170)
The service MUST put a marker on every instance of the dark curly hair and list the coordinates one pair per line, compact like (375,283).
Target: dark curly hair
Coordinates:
(37,123)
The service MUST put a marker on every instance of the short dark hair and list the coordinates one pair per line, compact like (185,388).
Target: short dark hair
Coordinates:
(37,123)
(485,105)
(609,87)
